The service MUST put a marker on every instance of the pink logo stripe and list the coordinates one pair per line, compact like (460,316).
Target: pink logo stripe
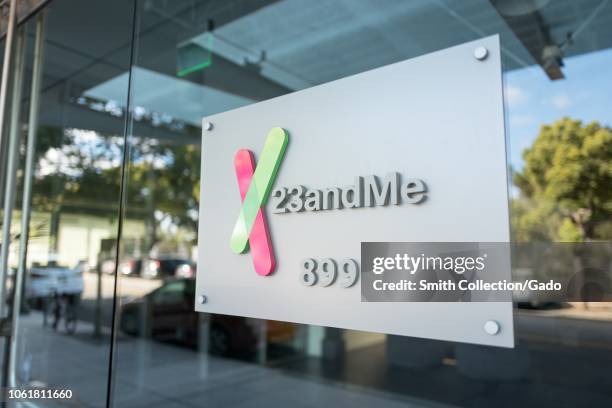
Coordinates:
(259,239)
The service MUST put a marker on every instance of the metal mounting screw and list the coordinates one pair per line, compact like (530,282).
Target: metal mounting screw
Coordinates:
(202,299)
(480,53)
(491,327)
(207,126)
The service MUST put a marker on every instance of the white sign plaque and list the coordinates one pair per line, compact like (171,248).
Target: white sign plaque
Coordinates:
(410,152)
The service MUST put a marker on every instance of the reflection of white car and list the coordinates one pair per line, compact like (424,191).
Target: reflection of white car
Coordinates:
(520,275)
(47,280)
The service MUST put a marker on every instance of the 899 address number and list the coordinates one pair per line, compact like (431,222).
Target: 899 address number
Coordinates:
(326,272)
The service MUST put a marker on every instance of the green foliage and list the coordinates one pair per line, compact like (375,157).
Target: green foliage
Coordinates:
(569,231)
(533,221)
(169,181)
(565,184)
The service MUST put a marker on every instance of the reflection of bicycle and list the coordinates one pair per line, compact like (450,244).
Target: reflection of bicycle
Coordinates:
(58,306)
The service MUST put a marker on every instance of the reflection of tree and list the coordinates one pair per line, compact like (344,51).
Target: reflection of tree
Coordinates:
(565,184)
(76,168)
(79,171)
(163,181)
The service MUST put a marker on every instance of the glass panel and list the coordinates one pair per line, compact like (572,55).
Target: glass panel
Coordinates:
(199,58)
(64,326)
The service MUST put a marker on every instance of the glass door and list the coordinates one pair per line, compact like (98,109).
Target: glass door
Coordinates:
(62,159)
(198,58)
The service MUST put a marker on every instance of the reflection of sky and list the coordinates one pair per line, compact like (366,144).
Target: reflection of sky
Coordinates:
(156,92)
(533,100)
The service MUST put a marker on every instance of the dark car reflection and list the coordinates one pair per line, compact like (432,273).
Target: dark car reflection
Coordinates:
(168,314)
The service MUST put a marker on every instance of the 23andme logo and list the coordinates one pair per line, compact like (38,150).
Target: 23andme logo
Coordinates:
(255,184)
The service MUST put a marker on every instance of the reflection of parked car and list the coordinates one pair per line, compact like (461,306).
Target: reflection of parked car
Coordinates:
(131,267)
(171,317)
(186,270)
(52,279)
(528,299)
(165,267)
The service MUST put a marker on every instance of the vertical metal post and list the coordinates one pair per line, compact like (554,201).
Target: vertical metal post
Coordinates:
(27,191)
(4,91)
(5,84)
(6,68)
(11,167)
(98,305)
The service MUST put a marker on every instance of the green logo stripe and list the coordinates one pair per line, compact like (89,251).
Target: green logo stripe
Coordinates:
(259,190)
